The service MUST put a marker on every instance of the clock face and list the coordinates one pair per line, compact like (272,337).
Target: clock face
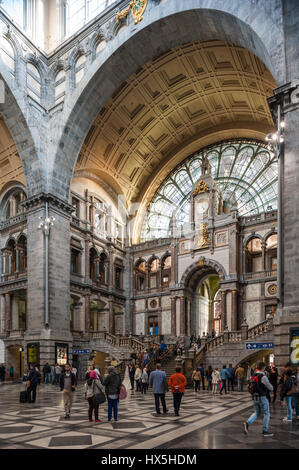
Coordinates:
(202,207)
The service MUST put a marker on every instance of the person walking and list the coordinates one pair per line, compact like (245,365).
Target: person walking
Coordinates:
(224,377)
(260,402)
(273,379)
(178,383)
(11,372)
(137,378)
(92,386)
(144,381)
(131,374)
(32,379)
(196,378)
(58,371)
(2,373)
(240,374)
(52,374)
(112,382)
(215,380)
(209,377)
(68,384)
(47,373)
(230,377)
(158,382)
(287,394)
(202,371)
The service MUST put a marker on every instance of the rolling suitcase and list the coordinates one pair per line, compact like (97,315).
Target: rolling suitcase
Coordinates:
(23,397)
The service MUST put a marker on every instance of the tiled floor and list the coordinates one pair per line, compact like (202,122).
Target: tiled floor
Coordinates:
(205,422)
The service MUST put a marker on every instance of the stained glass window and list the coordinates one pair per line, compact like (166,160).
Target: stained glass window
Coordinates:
(244,167)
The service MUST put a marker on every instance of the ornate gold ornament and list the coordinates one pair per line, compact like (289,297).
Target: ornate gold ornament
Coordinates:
(201,188)
(272,290)
(137,8)
(202,236)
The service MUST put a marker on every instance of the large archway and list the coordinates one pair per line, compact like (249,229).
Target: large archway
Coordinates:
(121,58)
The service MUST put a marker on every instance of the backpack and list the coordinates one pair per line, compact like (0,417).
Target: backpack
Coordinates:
(255,387)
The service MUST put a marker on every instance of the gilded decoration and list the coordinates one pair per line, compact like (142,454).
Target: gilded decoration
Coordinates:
(201,188)
(137,8)
(201,239)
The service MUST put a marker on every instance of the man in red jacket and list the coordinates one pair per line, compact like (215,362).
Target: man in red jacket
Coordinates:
(177,382)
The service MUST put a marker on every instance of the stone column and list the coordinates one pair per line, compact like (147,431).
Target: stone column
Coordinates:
(2,313)
(223,309)
(58,330)
(234,310)
(111,319)
(286,101)
(87,260)
(7,313)
(173,316)
(14,313)
(87,313)
(182,316)
(264,256)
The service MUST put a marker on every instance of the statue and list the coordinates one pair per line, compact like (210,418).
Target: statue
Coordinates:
(234,202)
(206,168)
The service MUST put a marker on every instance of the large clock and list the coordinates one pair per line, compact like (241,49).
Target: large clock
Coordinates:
(202,208)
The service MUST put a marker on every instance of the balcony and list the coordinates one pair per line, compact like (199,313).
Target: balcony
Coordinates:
(17,276)
(259,275)
(15,220)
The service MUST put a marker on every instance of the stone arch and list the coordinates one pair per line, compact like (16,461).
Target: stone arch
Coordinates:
(250,237)
(268,234)
(25,134)
(164,26)
(203,264)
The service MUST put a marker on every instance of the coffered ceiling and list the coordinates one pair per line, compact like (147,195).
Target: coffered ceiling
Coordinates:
(192,96)
(10,164)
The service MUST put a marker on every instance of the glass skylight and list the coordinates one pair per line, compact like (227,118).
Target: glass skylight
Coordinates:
(246,168)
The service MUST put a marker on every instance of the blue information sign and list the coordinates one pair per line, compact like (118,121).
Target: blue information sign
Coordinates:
(81,351)
(264,345)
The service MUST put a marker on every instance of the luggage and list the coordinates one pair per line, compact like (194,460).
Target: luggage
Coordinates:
(23,397)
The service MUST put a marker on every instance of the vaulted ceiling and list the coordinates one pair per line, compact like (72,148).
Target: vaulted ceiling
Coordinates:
(10,164)
(189,97)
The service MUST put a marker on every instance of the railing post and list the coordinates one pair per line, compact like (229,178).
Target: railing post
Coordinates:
(118,339)
(107,364)
(226,335)
(244,330)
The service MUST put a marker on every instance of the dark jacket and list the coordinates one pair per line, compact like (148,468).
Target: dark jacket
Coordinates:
(286,386)
(33,376)
(46,369)
(61,381)
(112,383)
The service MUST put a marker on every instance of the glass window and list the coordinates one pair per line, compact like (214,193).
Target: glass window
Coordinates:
(246,168)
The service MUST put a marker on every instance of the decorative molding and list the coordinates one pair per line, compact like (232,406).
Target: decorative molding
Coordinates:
(137,8)
(201,188)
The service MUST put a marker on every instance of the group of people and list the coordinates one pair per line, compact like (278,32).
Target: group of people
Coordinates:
(52,373)
(218,381)
(195,342)
(263,381)
(3,373)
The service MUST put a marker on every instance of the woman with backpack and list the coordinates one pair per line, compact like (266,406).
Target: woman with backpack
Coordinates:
(209,377)
(93,387)
(287,393)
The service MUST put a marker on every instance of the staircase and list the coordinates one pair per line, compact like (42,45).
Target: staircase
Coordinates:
(230,346)
(117,346)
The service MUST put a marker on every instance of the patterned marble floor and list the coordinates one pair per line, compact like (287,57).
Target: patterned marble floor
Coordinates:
(205,422)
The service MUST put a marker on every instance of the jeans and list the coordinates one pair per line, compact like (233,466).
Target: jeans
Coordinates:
(48,378)
(297,404)
(209,384)
(57,379)
(92,407)
(197,385)
(240,384)
(138,385)
(144,387)
(177,398)
(231,382)
(112,404)
(223,387)
(31,390)
(288,400)
(260,405)
(158,397)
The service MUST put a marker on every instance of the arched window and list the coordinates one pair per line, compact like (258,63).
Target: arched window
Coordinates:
(93,264)
(9,258)
(166,271)
(14,203)
(154,269)
(217,313)
(253,255)
(79,68)
(59,87)
(103,269)
(140,275)
(244,168)
(22,253)
(7,55)
(34,81)
(271,252)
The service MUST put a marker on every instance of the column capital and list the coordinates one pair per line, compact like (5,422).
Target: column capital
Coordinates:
(38,201)
(287,96)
